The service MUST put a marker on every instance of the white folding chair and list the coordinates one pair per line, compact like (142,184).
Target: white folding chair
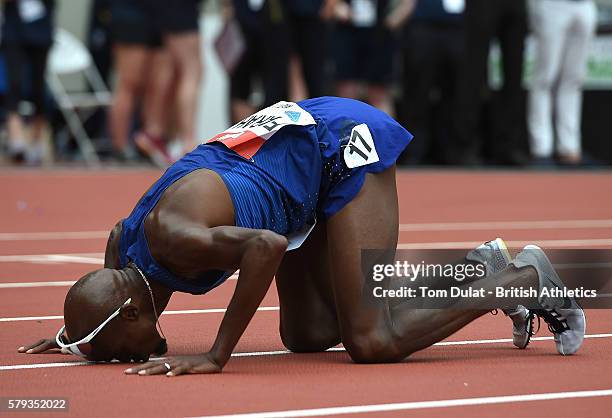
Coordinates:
(68,56)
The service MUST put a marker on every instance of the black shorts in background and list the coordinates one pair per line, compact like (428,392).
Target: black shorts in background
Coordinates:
(176,16)
(249,68)
(363,54)
(133,23)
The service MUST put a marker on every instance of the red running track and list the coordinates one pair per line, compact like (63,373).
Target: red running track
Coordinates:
(39,202)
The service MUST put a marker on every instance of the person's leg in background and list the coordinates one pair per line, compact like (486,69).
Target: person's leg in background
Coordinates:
(241,79)
(135,38)
(380,69)
(348,72)
(178,22)
(549,24)
(37,56)
(480,20)
(511,115)
(276,53)
(453,52)
(185,49)
(311,39)
(132,65)
(420,56)
(276,67)
(573,71)
(15,60)
(158,97)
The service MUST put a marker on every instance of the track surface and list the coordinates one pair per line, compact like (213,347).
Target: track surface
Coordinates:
(52,230)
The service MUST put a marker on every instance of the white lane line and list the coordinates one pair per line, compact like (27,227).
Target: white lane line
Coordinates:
(43,236)
(403,406)
(84,258)
(494,225)
(550,243)
(46,365)
(98,258)
(286,352)
(180,312)
(65,283)
(432,226)
(36,284)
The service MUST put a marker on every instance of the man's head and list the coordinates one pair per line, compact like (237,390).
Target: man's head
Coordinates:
(131,334)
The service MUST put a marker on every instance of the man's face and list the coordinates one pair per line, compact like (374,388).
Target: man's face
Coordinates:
(127,341)
(131,333)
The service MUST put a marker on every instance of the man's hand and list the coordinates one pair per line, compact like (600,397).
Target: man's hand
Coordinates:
(48,346)
(200,364)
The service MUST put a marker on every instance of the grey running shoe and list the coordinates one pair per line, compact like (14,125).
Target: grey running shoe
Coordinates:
(496,257)
(565,318)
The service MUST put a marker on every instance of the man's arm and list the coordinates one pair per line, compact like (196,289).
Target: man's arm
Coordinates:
(259,259)
(257,253)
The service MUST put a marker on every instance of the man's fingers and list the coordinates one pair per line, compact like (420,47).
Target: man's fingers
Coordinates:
(143,366)
(158,369)
(38,347)
(46,345)
(149,368)
(178,370)
(23,349)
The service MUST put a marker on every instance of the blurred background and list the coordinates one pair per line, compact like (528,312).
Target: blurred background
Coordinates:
(510,83)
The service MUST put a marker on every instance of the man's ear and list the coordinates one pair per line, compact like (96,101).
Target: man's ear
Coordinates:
(129,312)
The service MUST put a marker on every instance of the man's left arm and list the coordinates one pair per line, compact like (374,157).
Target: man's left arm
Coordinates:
(258,254)
(259,263)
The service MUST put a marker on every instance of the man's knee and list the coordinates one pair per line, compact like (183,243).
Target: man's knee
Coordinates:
(372,347)
(309,340)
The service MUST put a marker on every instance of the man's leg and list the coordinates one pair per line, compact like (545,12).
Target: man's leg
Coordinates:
(308,318)
(374,332)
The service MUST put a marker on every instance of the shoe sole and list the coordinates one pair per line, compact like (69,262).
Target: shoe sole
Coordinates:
(528,326)
(503,248)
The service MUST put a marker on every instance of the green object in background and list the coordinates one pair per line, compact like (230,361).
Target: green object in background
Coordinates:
(599,64)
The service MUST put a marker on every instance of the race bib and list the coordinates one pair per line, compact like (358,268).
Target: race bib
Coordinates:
(247,136)
(296,239)
(360,149)
(454,6)
(31,10)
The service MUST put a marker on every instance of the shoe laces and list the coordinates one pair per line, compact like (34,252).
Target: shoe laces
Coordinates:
(557,323)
